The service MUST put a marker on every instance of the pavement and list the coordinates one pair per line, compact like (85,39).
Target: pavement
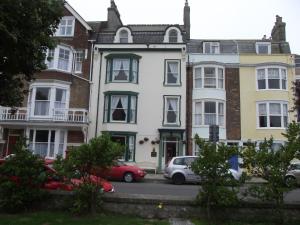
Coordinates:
(179,221)
(159,178)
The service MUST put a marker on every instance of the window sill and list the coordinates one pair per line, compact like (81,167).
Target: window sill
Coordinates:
(284,90)
(207,126)
(173,85)
(271,128)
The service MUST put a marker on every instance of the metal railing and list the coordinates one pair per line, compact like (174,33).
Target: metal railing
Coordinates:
(57,115)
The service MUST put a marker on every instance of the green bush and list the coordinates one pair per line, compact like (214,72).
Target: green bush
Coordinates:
(21,179)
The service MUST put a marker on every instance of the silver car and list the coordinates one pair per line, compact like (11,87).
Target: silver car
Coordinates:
(179,170)
(293,175)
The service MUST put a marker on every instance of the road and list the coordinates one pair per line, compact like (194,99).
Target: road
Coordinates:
(189,191)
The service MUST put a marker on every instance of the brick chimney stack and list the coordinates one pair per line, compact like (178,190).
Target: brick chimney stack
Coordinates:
(113,16)
(186,19)
(278,31)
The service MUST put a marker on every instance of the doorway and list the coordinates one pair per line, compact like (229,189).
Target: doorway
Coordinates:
(171,146)
(12,140)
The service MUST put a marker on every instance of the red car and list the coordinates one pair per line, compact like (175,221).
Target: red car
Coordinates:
(54,182)
(121,171)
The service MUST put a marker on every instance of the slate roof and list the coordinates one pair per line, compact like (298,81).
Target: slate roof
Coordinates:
(237,46)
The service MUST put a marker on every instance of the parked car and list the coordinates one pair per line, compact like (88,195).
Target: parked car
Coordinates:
(292,177)
(56,182)
(179,170)
(121,171)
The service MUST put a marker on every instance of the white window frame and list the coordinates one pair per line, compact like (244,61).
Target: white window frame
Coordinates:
(258,44)
(53,87)
(56,59)
(58,133)
(268,114)
(202,114)
(178,72)
(179,35)
(79,57)
(117,38)
(211,45)
(178,110)
(201,77)
(66,18)
(281,76)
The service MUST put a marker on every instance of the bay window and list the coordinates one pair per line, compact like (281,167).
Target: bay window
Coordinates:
(122,68)
(271,78)
(120,107)
(172,110)
(209,77)
(272,114)
(209,112)
(60,58)
(47,143)
(128,141)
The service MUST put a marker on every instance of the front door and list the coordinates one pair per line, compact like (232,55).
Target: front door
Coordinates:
(12,140)
(171,149)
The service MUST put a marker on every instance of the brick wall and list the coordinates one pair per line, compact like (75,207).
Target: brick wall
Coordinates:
(75,136)
(233,117)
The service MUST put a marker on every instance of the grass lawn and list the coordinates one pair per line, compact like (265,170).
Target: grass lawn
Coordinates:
(197,222)
(57,218)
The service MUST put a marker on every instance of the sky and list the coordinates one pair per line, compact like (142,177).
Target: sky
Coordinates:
(210,19)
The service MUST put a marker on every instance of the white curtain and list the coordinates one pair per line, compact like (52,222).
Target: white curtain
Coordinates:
(63,59)
(261,74)
(220,78)
(121,69)
(172,72)
(61,143)
(262,109)
(172,110)
(275,108)
(114,101)
(134,70)
(273,73)
(124,101)
(221,114)
(41,108)
(133,109)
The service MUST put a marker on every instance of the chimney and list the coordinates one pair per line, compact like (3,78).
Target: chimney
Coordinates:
(113,16)
(278,31)
(186,19)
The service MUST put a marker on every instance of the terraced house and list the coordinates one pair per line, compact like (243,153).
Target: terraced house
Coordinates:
(243,86)
(139,87)
(54,115)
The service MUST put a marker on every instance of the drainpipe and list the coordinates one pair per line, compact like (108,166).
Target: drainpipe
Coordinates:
(98,94)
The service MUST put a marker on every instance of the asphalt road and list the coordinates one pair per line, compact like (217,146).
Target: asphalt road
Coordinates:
(187,191)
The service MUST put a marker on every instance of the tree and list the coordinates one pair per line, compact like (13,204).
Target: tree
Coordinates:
(218,186)
(26,28)
(274,164)
(22,177)
(99,152)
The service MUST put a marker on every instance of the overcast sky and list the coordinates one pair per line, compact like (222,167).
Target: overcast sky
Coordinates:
(214,19)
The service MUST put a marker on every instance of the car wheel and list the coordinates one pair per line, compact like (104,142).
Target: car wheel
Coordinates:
(128,177)
(290,181)
(178,178)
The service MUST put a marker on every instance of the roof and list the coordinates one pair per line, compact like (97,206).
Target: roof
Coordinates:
(141,33)
(238,46)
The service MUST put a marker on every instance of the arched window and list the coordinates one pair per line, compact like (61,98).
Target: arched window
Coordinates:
(173,36)
(123,36)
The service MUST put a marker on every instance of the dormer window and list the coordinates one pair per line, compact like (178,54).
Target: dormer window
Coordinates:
(263,47)
(173,36)
(123,35)
(66,26)
(211,47)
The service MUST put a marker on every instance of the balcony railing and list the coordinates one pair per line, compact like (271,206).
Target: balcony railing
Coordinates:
(57,115)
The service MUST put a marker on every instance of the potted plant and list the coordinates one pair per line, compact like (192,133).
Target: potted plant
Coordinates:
(141,142)
(146,139)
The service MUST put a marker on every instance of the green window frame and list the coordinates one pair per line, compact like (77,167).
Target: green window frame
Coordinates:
(173,113)
(118,105)
(130,144)
(122,68)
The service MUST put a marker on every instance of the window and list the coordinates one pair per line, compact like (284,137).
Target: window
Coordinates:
(66,26)
(128,141)
(209,113)
(120,108)
(263,47)
(122,68)
(172,73)
(211,47)
(78,61)
(123,36)
(172,110)
(173,36)
(60,58)
(209,77)
(271,78)
(272,114)
(47,143)
(48,101)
